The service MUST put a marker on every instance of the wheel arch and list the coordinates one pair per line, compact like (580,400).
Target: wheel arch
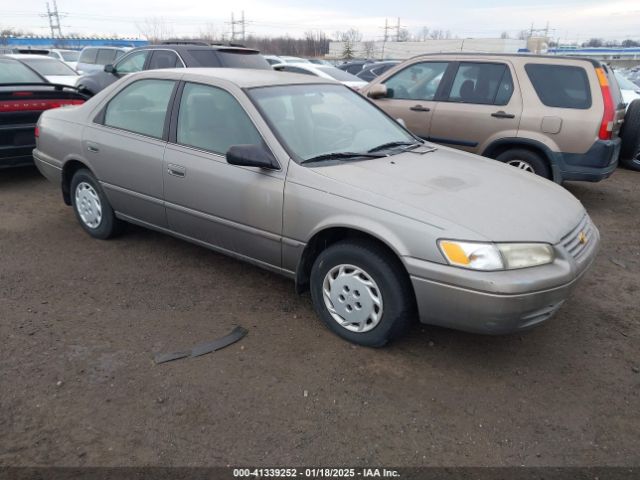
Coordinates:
(326,237)
(69,169)
(498,147)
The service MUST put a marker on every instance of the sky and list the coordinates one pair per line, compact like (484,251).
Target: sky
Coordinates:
(569,20)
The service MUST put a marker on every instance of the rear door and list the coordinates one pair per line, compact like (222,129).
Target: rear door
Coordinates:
(412,94)
(125,146)
(478,106)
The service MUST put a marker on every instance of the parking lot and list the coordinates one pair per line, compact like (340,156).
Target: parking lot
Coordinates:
(81,319)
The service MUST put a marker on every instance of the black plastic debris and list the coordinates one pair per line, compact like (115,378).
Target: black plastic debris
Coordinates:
(204,348)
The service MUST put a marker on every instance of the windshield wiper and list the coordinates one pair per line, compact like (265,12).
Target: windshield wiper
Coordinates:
(342,156)
(384,146)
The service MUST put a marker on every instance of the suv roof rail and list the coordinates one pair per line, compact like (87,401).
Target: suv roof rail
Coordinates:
(185,42)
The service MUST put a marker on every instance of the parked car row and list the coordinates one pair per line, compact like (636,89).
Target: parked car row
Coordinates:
(327,185)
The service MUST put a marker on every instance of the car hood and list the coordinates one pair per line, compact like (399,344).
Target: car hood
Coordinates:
(443,187)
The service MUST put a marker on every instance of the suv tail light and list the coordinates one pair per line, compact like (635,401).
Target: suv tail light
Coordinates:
(33,105)
(606,127)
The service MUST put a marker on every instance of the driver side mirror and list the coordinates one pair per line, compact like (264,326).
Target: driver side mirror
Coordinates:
(252,156)
(378,90)
(110,69)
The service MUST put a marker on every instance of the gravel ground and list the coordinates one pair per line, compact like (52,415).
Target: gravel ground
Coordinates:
(80,320)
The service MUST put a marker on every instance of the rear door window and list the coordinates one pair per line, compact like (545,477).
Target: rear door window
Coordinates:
(482,83)
(164,59)
(419,81)
(88,55)
(560,86)
(141,107)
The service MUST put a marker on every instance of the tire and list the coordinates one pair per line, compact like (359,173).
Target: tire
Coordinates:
(390,290)
(630,149)
(526,160)
(92,208)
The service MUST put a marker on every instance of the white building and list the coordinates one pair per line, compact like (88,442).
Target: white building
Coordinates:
(403,50)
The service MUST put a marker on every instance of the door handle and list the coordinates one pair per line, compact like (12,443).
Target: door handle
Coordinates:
(93,148)
(503,114)
(176,170)
(419,108)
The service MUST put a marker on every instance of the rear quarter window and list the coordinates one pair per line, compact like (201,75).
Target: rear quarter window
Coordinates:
(242,59)
(560,86)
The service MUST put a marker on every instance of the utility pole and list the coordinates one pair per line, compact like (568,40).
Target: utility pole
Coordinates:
(54,20)
(386,29)
(398,30)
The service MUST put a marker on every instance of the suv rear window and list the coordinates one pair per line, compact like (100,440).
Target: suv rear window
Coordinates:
(243,59)
(88,55)
(205,58)
(560,86)
(106,56)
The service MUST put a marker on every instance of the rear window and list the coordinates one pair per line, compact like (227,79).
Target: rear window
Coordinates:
(205,58)
(88,55)
(12,71)
(105,56)
(243,59)
(47,66)
(70,56)
(560,86)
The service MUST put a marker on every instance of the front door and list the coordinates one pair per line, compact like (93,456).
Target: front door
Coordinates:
(479,105)
(412,94)
(235,209)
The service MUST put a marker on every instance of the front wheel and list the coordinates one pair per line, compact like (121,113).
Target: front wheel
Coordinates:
(525,160)
(362,293)
(92,207)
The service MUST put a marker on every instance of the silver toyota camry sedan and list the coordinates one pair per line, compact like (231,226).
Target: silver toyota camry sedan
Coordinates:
(309,179)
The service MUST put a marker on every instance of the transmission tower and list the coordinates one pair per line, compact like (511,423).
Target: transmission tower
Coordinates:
(242,31)
(54,20)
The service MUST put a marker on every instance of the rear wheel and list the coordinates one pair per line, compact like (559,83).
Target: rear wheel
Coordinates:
(92,207)
(525,160)
(362,293)
(630,149)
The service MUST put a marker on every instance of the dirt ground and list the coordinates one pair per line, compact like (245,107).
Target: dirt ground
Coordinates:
(80,320)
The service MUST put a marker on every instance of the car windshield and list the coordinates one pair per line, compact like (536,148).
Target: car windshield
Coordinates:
(12,71)
(338,74)
(316,120)
(70,56)
(49,66)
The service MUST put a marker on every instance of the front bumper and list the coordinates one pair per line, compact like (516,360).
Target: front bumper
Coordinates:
(502,302)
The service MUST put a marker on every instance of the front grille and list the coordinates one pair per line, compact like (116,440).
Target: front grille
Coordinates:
(572,243)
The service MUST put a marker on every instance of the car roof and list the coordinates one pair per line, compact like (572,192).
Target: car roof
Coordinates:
(196,46)
(241,77)
(522,56)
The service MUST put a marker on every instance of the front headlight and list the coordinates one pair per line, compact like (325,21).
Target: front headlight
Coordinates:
(495,256)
